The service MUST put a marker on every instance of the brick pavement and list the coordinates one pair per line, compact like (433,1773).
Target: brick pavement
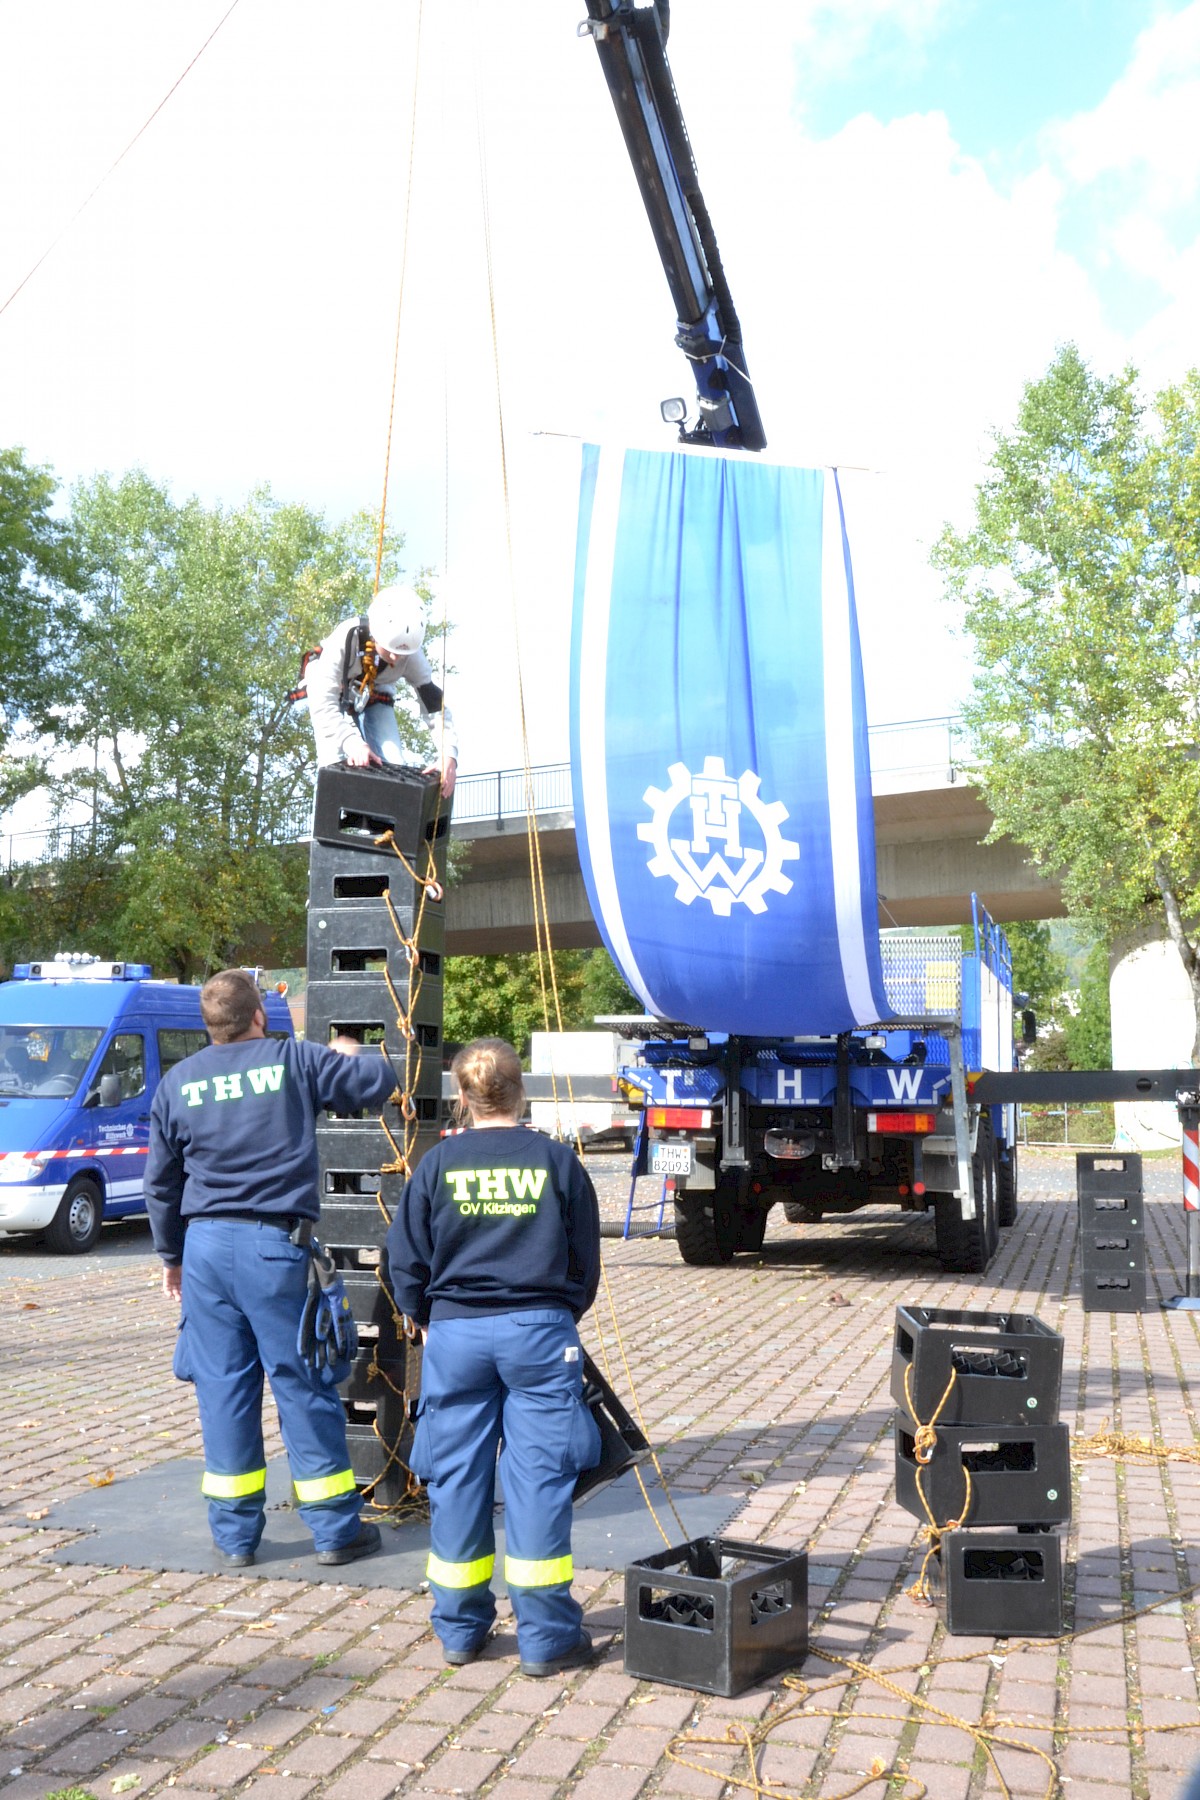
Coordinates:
(765,1382)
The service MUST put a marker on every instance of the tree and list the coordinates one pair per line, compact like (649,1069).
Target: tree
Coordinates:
(510,997)
(185,641)
(1080,585)
(1088,1031)
(1038,969)
(34,558)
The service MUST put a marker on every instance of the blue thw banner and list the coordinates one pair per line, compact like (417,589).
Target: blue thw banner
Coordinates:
(719,742)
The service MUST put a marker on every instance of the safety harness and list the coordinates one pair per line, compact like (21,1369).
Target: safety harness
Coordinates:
(355,694)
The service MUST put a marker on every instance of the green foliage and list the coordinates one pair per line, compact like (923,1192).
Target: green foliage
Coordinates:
(1080,585)
(1088,1032)
(1038,969)
(503,996)
(603,991)
(34,558)
(184,638)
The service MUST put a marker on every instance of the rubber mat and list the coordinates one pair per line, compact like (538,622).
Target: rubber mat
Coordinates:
(157,1520)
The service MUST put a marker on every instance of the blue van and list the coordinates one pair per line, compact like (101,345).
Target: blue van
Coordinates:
(83,1045)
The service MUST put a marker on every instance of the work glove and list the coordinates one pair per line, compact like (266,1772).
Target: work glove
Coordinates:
(327,1340)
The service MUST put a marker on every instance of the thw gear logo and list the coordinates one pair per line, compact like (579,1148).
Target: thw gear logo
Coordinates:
(735,871)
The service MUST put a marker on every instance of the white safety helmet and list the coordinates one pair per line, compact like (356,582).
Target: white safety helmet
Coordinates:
(394,620)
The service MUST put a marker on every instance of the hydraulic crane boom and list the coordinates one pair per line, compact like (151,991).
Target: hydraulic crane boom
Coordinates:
(631,43)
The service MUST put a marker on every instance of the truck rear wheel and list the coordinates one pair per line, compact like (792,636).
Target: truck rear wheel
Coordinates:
(75,1227)
(967,1246)
(704,1227)
(1006,1185)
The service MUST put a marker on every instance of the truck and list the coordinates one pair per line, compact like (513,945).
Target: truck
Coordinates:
(739,1122)
(84,1044)
(825,1126)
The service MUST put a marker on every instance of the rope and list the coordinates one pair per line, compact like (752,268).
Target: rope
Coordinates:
(114,166)
(412,144)
(537,874)
(988,1734)
(925,1443)
(429,888)
(1126,1446)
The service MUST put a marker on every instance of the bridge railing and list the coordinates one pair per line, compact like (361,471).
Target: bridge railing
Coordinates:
(503,794)
(909,744)
(500,794)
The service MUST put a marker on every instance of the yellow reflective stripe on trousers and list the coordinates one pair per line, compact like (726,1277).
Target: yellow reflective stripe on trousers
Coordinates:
(459,1575)
(325,1487)
(547,1573)
(233,1487)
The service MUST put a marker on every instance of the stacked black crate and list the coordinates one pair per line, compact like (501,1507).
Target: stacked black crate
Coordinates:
(1112,1231)
(997,1468)
(376,947)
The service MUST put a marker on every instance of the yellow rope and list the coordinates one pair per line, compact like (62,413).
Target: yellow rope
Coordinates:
(412,144)
(541,907)
(1125,1445)
(925,1444)
(115,165)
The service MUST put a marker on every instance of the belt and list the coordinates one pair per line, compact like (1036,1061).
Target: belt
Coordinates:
(299,1230)
(382,700)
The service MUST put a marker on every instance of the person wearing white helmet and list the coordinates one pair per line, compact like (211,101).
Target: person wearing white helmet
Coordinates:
(352,685)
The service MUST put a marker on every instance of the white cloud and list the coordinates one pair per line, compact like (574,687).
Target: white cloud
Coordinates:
(836,39)
(223,312)
(1145,126)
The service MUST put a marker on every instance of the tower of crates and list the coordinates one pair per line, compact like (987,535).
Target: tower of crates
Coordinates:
(999,1467)
(376,948)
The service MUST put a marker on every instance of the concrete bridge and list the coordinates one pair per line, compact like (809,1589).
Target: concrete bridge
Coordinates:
(930,824)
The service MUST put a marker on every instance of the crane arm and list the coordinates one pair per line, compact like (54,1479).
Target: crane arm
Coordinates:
(631,42)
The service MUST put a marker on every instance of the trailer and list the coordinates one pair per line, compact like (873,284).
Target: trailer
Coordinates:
(824,1126)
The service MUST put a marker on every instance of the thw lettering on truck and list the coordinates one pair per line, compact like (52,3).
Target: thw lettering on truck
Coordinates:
(906,1083)
(267,1080)
(491,1197)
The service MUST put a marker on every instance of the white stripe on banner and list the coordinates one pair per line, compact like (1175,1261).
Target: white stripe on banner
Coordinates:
(593,747)
(839,758)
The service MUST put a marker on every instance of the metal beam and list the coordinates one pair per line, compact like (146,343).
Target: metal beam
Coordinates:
(1072,1087)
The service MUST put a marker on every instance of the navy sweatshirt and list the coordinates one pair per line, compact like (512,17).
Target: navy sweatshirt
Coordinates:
(231,1130)
(497,1219)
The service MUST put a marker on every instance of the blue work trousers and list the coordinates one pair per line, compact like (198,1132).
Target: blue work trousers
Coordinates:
(516,1376)
(244,1288)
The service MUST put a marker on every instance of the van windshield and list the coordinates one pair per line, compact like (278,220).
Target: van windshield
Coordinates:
(45,1062)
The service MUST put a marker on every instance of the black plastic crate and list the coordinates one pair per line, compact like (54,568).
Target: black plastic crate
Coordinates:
(716,1614)
(364,1009)
(369,1454)
(337,877)
(355,806)
(374,1315)
(1100,1172)
(350,1178)
(1020,1475)
(357,943)
(369,1376)
(999,1583)
(622,1443)
(1112,1214)
(1112,1291)
(350,1148)
(1108,1252)
(1007,1366)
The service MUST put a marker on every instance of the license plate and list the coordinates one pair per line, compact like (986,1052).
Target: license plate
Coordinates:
(671,1159)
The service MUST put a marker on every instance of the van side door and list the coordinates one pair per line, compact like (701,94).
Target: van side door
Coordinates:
(116,1115)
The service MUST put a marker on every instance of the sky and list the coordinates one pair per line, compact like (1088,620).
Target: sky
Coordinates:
(917,201)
